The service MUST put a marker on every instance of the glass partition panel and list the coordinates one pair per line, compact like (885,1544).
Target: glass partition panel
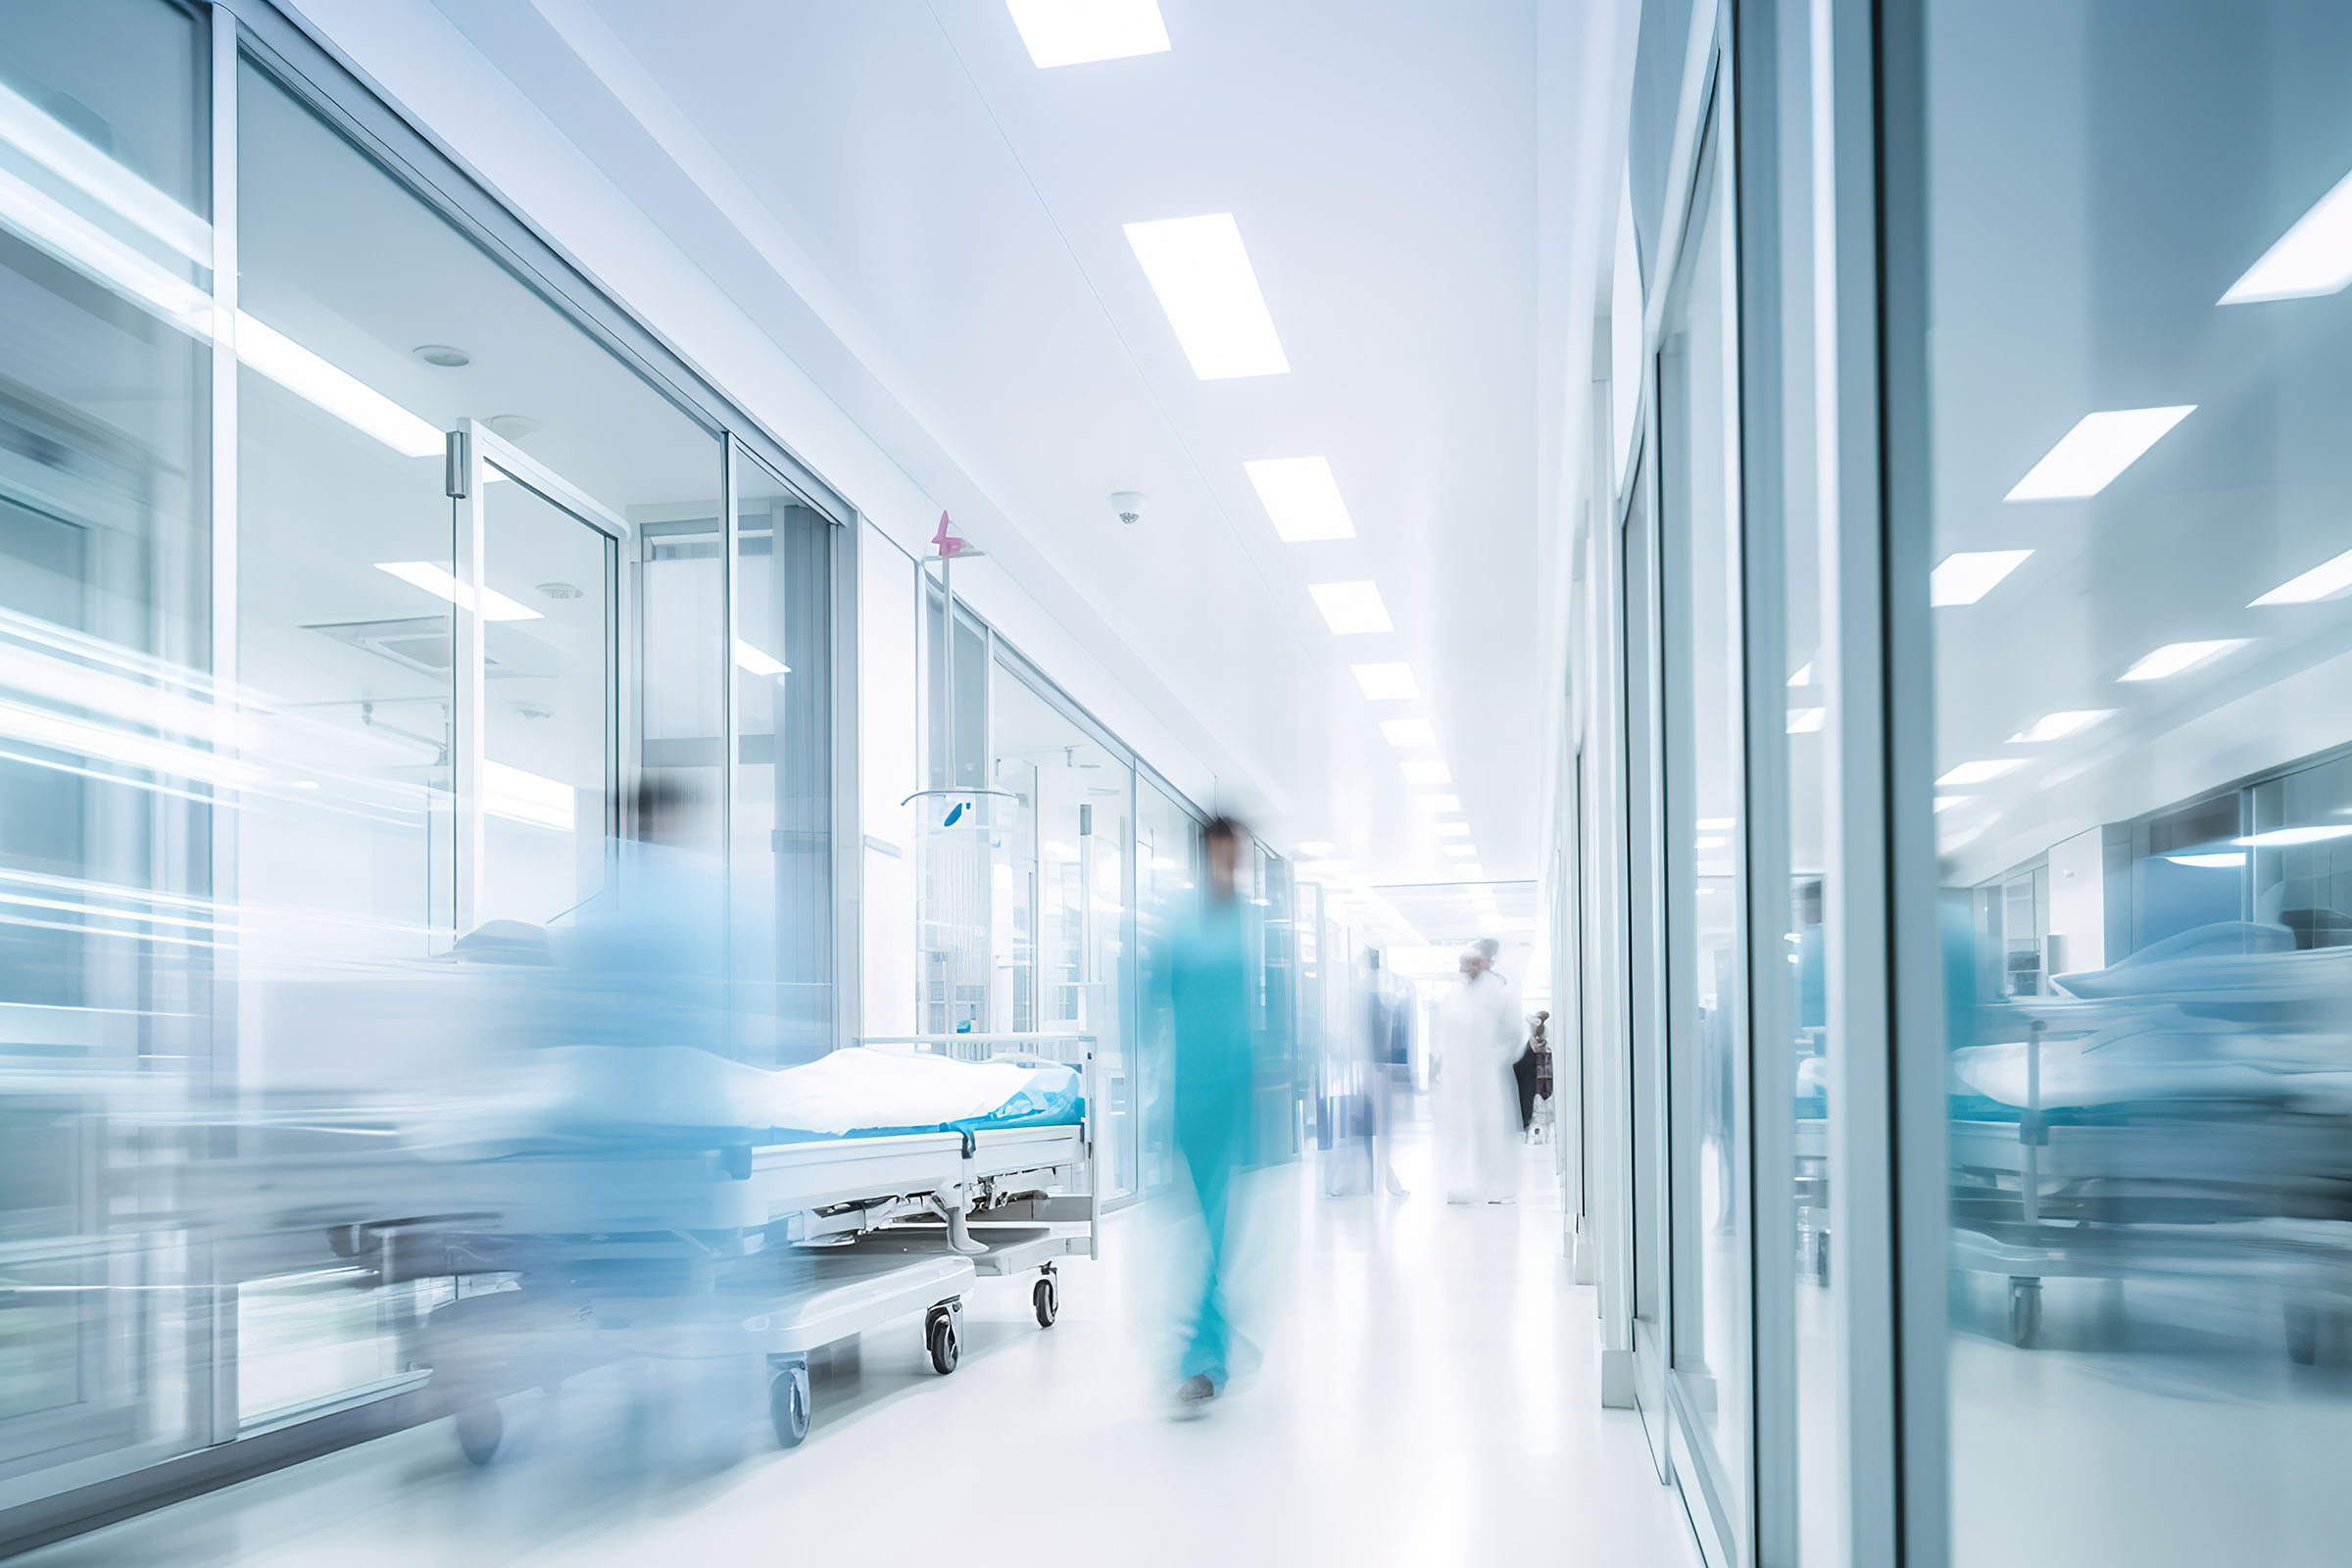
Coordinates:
(2142,537)
(1062,953)
(781,868)
(1705,810)
(369,328)
(111,744)
(1168,873)
(887,727)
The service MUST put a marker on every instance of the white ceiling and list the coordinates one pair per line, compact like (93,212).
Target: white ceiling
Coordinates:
(932,225)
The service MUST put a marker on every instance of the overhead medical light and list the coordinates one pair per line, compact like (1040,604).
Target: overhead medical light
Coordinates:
(2283,838)
(1201,273)
(1980,772)
(1803,676)
(2175,658)
(335,389)
(1453,830)
(521,797)
(1301,496)
(1806,720)
(1387,683)
(1427,772)
(1351,608)
(2212,862)
(2059,725)
(1408,732)
(758,662)
(437,581)
(2322,581)
(2100,446)
(1075,33)
(1439,804)
(2314,257)
(1968,575)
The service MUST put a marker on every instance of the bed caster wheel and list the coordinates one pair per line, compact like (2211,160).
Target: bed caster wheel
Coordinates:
(788,1405)
(2025,1312)
(947,1345)
(1045,1296)
(479,1429)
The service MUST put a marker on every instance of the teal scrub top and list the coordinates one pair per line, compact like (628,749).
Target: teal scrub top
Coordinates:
(1207,974)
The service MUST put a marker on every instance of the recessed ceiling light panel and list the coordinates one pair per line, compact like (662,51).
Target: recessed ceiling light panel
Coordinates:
(1201,273)
(1968,575)
(2322,581)
(2314,257)
(1408,732)
(1077,32)
(2174,659)
(1351,608)
(1302,498)
(2100,446)
(1387,683)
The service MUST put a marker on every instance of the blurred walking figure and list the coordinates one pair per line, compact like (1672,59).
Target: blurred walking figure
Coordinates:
(1478,1036)
(1207,976)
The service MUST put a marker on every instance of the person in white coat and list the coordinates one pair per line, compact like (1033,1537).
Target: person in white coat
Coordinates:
(1478,1036)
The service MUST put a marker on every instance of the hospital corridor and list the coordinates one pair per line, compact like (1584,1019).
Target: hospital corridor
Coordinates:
(1390,782)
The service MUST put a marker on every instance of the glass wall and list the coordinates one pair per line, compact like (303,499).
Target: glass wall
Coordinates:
(327,674)
(1706,964)
(1168,871)
(2137,490)
(110,745)
(780,864)
(889,730)
(1064,965)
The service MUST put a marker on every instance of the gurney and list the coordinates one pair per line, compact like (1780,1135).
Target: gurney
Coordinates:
(2180,1116)
(662,1204)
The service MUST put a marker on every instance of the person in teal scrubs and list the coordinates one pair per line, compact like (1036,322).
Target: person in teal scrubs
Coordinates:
(1206,972)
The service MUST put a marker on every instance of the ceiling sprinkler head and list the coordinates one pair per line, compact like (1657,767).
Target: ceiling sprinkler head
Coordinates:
(1129,505)
(514,426)
(559,590)
(446,356)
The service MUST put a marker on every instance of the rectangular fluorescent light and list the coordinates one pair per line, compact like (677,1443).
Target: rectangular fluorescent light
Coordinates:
(2100,446)
(437,581)
(2174,657)
(2211,862)
(2322,581)
(1711,841)
(1944,802)
(1968,575)
(2283,838)
(1197,268)
(521,797)
(1460,852)
(1351,608)
(2057,726)
(335,389)
(1806,720)
(1076,32)
(1427,772)
(1408,732)
(1715,824)
(1453,830)
(1980,772)
(1387,683)
(1439,805)
(758,662)
(1302,498)
(2314,257)
(1803,676)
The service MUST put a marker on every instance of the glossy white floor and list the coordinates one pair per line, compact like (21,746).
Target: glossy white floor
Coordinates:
(1429,1395)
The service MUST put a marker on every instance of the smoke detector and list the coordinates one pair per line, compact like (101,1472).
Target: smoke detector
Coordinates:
(1129,505)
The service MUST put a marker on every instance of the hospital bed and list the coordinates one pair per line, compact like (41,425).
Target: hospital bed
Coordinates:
(584,1226)
(2183,1117)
